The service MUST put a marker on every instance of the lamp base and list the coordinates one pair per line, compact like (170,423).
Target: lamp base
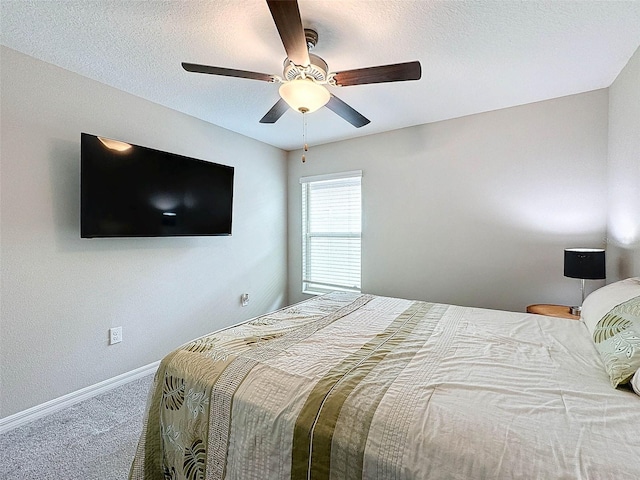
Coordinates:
(575,310)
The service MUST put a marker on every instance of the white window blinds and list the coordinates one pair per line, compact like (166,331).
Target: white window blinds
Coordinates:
(331,232)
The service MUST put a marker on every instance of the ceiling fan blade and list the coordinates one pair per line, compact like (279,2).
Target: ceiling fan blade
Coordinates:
(227,72)
(286,16)
(345,111)
(397,72)
(273,115)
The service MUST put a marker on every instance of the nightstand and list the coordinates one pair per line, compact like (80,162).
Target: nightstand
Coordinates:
(561,311)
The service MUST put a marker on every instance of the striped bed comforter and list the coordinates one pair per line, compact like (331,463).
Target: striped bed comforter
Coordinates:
(348,386)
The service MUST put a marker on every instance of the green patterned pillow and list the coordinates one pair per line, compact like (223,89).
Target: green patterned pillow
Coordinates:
(617,338)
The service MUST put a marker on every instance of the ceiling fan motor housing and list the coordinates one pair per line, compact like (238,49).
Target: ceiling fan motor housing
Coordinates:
(317,69)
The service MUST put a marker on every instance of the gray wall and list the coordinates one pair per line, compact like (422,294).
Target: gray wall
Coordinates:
(476,210)
(623,252)
(61,294)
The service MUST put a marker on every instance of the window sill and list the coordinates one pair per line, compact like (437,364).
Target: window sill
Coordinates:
(324,292)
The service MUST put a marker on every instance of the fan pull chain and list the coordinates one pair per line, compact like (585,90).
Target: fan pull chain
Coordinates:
(305,147)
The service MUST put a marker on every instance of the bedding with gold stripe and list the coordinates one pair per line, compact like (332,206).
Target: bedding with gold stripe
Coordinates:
(349,386)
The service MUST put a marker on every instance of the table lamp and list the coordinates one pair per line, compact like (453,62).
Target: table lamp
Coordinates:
(585,264)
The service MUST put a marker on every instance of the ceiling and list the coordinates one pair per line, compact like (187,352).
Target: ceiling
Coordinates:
(476,56)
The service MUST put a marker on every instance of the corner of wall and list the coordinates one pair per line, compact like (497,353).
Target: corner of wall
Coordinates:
(623,172)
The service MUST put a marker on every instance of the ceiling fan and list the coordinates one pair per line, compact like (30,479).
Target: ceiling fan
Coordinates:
(305,75)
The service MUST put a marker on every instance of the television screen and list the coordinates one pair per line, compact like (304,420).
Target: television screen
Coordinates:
(132,191)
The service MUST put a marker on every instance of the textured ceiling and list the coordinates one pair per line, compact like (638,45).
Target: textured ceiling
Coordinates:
(476,55)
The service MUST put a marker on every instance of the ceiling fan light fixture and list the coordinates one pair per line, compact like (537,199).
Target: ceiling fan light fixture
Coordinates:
(304,95)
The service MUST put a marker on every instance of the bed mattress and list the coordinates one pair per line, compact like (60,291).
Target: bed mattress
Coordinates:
(349,386)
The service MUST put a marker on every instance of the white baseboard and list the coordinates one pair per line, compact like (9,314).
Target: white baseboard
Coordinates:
(52,406)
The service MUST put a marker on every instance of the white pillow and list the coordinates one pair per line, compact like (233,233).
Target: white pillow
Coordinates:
(635,382)
(600,302)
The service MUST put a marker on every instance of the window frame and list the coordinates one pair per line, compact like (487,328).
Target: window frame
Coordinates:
(311,286)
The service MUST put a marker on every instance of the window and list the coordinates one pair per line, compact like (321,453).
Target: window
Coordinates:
(331,232)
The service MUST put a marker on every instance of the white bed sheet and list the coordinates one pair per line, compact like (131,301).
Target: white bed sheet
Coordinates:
(463,393)
(491,394)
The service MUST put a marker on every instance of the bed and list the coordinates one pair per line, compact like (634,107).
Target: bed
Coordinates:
(352,386)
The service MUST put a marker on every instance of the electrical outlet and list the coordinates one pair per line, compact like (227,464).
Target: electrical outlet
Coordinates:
(115,335)
(244,298)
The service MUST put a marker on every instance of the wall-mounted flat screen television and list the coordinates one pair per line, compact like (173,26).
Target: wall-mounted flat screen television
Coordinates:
(132,191)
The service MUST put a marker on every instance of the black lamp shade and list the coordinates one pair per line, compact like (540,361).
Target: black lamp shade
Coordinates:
(585,263)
